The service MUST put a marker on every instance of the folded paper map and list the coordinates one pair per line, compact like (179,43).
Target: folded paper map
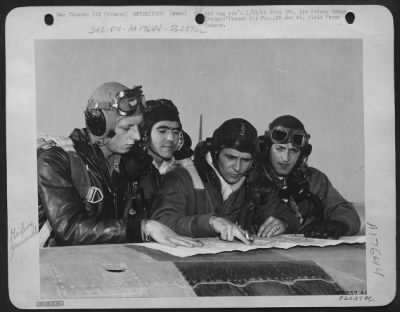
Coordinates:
(215,245)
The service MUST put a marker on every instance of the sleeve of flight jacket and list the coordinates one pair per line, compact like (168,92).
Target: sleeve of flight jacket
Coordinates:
(175,205)
(276,208)
(335,206)
(65,210)
(264,195)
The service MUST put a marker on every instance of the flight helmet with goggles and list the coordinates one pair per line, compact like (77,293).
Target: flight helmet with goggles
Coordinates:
(283,135)
(110,101)
(288,129)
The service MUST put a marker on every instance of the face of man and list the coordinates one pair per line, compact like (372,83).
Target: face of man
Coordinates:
(126,134)
(284,157)
(164,139)
(233,165)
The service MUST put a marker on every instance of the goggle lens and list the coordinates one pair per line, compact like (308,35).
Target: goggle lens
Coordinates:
(279,135)
(129,101)
(128,105)
(298,139)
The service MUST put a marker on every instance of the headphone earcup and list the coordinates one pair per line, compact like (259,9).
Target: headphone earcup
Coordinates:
(181,141)
(144,137)
(209,144)
(95,121)
(307,150)
(262,143)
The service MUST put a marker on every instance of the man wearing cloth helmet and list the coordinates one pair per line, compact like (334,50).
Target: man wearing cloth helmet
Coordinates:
(84,188)
(206,199)
(321,210)
(165,143)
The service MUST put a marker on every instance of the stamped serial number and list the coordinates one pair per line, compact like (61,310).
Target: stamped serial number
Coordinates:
(355,297)
(51,303)
(355,292)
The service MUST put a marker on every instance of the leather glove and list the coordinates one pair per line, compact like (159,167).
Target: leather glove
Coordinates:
(325,229)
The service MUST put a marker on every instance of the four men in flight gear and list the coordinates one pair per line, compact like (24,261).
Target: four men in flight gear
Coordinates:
(97,185)
(283,176)
(84,188)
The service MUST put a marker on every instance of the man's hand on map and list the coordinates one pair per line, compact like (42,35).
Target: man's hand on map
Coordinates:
(229,231)
(164,235)
(326,229)
(272,227)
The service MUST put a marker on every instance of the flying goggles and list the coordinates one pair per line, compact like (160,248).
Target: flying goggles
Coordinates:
(282,135)
(125,103)
(129,102)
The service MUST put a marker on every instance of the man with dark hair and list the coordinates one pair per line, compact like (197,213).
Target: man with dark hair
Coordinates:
(321,210)
(209,197)
(165,143)
(84,189)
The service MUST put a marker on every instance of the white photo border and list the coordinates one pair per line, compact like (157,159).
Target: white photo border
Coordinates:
(25,25)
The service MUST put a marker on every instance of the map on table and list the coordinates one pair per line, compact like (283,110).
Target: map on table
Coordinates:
(215,245)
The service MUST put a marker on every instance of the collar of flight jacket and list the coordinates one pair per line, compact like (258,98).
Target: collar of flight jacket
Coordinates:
(226,188)
(164,166)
